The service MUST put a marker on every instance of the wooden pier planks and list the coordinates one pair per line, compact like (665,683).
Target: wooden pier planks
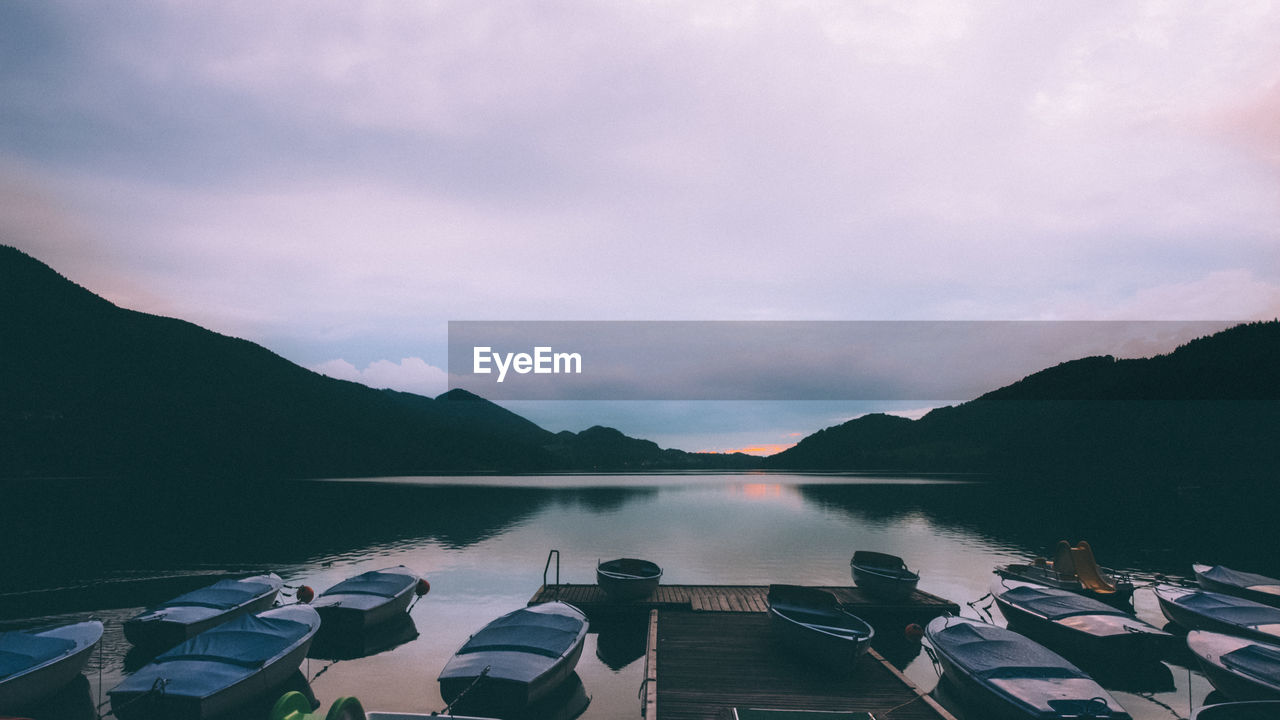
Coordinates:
(709,648)
(732,598)
(699,664)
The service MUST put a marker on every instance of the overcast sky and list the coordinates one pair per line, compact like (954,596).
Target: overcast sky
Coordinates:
(337,181)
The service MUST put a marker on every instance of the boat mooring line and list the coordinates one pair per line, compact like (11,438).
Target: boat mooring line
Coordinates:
(157,688)
(323,670)
(1149,696)
(448,709)
(98,710)
(933,658)
(984,610)
(896,708)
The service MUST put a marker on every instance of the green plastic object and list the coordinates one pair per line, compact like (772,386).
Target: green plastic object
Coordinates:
(293,705)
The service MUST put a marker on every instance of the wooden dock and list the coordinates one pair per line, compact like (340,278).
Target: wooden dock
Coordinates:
(709,648)
(738,598)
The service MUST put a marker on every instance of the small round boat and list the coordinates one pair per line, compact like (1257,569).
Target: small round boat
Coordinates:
(628,578)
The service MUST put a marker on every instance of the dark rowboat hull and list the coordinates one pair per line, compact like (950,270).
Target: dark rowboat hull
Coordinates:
(516,659)
(1080,627)
(366,600)
(628,578)
(67,649)
(1250,586)
(1010,676)
(881,575)
(1204,610)
(198,684)
(812,622)
(180,619)
(1240,668)
(1249,710)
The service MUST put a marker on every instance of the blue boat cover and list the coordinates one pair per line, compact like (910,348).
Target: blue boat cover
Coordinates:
(247,641)
(1056,604)
(993,652)
(373,582)
(1227,576)
(1256,661)
(523,631)
(20,651)
(1229,609)
(222,595)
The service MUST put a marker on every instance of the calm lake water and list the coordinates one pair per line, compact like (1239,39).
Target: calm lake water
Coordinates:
(80,549)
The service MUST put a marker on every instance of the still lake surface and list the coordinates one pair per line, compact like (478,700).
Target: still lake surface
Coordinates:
(77,549)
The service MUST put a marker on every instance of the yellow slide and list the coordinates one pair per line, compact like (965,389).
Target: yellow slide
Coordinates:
(1087,569)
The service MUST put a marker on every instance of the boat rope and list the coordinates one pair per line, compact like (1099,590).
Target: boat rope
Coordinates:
(1150,697)
(448,709)
(99,707)
(157,688)
(896,708)
(1098,708)
(323,670)
(933,658)
(984,610)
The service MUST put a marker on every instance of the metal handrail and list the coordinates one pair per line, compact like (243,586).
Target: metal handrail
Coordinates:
(547,567)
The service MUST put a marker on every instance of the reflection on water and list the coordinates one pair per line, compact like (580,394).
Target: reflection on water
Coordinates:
(621,640)
(79,548)
(350,644)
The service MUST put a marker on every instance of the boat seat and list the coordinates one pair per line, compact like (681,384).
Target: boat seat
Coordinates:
(1087,570)
(1256,661)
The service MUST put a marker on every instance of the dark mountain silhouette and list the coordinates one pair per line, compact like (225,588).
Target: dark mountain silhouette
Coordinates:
(1210,409)
(88,388)
(604,448)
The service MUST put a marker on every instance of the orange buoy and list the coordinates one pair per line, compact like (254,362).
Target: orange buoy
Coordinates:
(423,587)
(913,632)
(305,594)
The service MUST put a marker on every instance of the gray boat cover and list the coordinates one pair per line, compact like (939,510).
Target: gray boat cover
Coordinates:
(1227,576)
(222,595)
(382,584)
(20,651)
(1256,661)
(247,641)
(992,652)
(1056,604)
(1229,609)
(523,631)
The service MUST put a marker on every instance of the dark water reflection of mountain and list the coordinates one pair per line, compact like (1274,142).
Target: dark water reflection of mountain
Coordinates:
(1159,532)
(95,535)
(76,532)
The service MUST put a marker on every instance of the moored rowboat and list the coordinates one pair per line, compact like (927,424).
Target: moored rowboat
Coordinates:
(628,578)
(1011,676)
(1250,586)
(1240,668)
(1246,710)
(813,622)
(1204,610)
(367,599)
(219,669)
(516,659)
(1076,624)
(190,614)
(36,663)
(883,575)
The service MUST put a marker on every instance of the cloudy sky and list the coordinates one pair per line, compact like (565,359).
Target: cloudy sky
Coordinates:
(338,181)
